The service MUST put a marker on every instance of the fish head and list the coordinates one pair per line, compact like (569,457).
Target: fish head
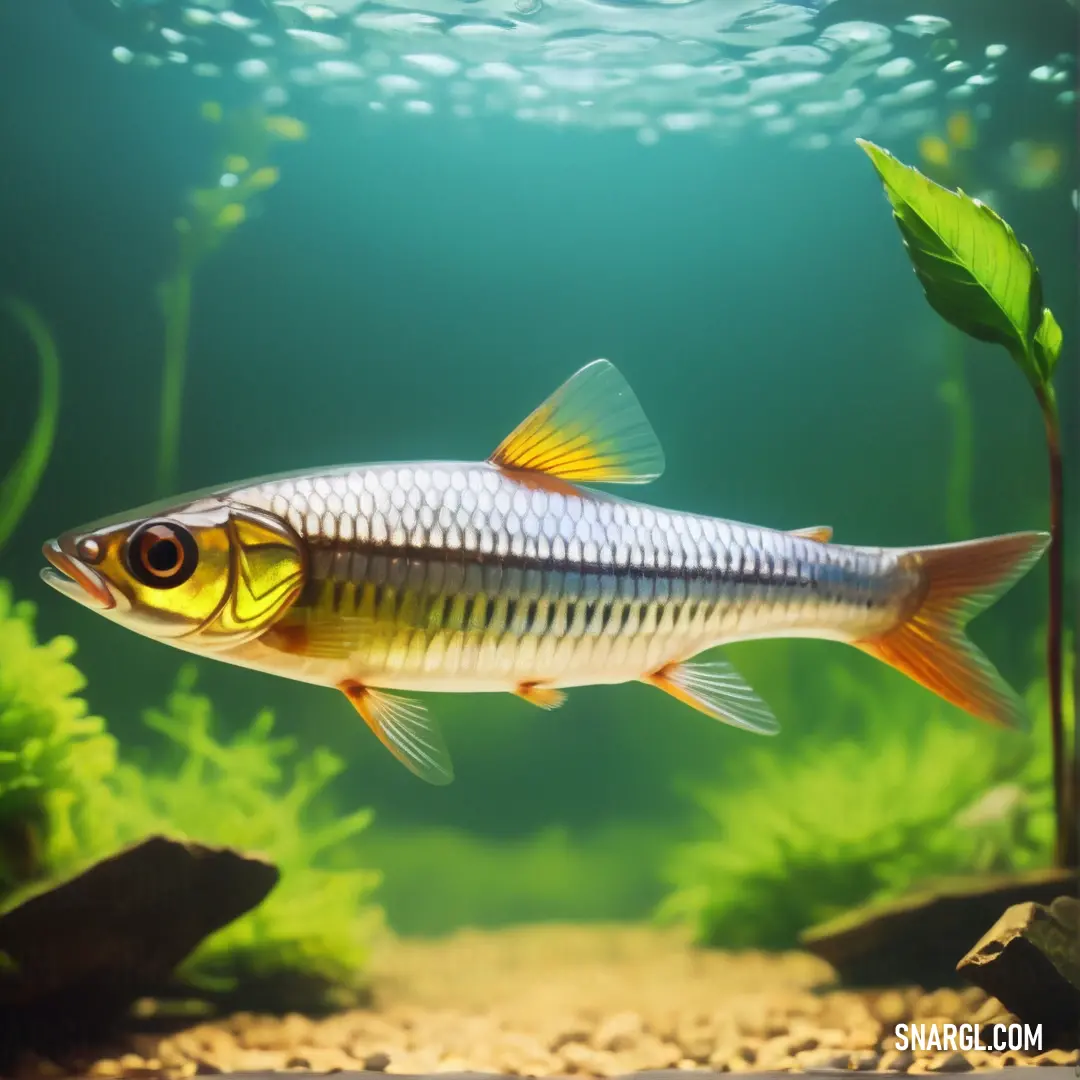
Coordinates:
(206,575)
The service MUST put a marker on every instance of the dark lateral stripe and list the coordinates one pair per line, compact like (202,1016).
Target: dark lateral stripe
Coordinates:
(328,558)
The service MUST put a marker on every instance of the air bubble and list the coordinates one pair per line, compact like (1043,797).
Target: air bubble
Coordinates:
(433,63)
(924,25)
(252,69)
(398,84)
(896,69)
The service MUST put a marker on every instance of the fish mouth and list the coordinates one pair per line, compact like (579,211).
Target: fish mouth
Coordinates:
(75,579)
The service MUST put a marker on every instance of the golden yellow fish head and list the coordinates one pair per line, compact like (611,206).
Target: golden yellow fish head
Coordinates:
(207,575)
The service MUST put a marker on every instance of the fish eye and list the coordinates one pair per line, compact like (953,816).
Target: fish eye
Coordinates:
(162,555)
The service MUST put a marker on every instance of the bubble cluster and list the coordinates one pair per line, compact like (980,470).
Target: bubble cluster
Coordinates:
(658,67)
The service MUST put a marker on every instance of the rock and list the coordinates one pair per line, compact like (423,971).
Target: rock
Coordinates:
(913,940)
(896,1061)
(83,951)
(1030,961)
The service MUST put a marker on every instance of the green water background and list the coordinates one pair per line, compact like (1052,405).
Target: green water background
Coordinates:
(410,291)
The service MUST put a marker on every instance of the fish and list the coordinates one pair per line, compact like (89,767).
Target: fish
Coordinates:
(516,575)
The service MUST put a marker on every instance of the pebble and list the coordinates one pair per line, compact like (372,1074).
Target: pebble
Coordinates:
(896,1061)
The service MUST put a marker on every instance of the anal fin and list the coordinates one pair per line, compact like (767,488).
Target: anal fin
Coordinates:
(404,727)
(715,688)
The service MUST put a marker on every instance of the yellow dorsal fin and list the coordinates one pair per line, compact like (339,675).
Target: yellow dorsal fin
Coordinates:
(591,428)
(821,533)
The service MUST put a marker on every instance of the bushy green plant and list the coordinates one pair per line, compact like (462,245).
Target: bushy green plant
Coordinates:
(53,755)
(799,840)
(253,792)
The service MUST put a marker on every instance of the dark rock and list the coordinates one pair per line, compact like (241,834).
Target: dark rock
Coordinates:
(75,957)
(1030,961)
(919,939)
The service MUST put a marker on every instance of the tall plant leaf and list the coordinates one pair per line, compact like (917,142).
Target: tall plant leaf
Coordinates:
(1048,344)
(18,487)
(974,271)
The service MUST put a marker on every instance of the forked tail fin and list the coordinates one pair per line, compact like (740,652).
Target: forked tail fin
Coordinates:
(930,646)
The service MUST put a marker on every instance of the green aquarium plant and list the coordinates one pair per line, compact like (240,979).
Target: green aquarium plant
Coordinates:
(18,486)
(54,756)
(307,943)
(804,836)
(979,277)
(239,172)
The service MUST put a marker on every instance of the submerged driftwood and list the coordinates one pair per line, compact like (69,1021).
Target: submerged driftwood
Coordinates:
(75,957)
(919,939)
(1030,961)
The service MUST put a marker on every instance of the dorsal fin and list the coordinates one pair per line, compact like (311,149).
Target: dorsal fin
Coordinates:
(591,428)
(821,533)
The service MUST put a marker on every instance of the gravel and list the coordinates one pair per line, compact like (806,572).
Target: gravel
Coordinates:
(595,1001)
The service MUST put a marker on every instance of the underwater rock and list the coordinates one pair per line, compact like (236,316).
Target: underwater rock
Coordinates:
(1030,961)
(919,939)
(79,954)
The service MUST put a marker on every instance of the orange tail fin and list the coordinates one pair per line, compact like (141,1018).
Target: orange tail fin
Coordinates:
(930,646)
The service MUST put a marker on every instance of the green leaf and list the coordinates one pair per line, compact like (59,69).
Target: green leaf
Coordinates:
(1047,344)
(18,487)
(974,271)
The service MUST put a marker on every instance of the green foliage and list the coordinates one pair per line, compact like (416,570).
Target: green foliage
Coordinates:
(18,487)
(800,840)
(975,272)
(252,793)
(53,756)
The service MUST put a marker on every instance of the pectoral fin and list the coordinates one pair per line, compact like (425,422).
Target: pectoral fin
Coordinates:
(405,729)
(591,429)
(715,688)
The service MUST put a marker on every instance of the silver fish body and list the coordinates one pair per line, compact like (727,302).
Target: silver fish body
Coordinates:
(456,575)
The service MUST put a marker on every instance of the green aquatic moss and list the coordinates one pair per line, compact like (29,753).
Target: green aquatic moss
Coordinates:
(256,793)
(802,838)
(53,754)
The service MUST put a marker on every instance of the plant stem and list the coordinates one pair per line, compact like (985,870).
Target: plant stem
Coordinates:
(176,302)
(954,394)
(1065,847)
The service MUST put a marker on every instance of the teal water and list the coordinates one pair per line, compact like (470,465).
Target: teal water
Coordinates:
(420,279)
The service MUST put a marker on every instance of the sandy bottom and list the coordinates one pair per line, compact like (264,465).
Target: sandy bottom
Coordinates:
(591,1001)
